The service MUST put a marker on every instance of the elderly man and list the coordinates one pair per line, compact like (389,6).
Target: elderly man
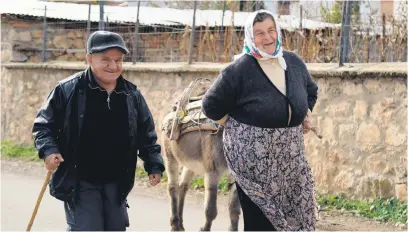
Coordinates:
(90,129)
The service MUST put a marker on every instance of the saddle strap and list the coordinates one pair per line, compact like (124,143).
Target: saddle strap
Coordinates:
(203,127)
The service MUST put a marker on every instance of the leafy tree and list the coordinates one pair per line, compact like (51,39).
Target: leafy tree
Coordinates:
(334,14)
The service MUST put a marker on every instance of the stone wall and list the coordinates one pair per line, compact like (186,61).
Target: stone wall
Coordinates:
(22,42)
(25,39)
(361,112)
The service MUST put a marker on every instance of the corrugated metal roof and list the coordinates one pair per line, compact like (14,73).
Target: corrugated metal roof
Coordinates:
(147,15)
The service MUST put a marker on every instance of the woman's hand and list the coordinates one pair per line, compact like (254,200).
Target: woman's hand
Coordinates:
(307,123)
(222,121)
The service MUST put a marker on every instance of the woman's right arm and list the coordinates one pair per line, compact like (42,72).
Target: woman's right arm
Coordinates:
(221,97)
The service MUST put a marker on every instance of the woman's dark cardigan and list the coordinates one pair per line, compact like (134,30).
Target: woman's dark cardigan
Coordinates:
(245,93)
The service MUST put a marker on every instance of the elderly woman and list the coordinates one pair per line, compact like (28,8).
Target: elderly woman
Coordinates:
(264,99)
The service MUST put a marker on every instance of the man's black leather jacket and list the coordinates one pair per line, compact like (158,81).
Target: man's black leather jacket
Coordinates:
(58,125)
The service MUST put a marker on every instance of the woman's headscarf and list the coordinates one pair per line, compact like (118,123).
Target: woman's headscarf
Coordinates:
(249,44)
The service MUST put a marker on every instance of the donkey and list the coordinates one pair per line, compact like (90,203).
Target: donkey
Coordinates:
(196,152)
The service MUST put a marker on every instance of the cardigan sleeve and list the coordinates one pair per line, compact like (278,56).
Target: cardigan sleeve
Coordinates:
(310,85)
(221,97)
(311,88)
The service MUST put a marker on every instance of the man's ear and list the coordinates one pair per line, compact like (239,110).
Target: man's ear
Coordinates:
(89,59)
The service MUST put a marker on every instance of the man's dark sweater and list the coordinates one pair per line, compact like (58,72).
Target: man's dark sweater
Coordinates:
(104,138)
(245,93)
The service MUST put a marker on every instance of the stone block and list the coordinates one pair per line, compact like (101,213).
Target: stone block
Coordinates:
(5,55)
(35,59)
(351,88)
(80,56)
(381,113)
(18,57)
(25,36)
(37,34)
(62,42)
(401,191)
(13,35)
(80,34)
(66,57)
(344,181)
(389,170)
(78,43)
(372,85)
(340,109)
(327,127)
(373,187)
(71,34)
(368,133)
(336,157)
(400,87)
(386,188)
(59,53)
(401,171)
(360,110)
(393,136)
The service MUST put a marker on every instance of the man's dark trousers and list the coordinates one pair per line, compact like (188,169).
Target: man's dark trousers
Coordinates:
(97,209)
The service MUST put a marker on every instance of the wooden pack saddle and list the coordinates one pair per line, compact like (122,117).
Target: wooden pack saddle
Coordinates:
(187,115)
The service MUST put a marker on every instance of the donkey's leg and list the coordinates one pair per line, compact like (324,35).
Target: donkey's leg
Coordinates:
(186,178)
(172,169)
(211,181)
(234,208)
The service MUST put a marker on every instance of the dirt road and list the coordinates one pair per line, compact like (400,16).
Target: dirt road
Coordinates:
(19,193)
(149,207)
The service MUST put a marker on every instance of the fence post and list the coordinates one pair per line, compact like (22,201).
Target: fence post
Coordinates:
(190,53)
(88,28)
(383,39)
(345,32)
(221,32)
(300,30)
(101,12)
(44,42)
(232,31)
(136,40)
(368,45)
(257,5)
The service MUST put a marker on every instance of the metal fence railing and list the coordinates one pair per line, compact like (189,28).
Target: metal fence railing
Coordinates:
(382,38)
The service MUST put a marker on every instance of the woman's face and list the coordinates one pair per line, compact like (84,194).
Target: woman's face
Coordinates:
(265,36)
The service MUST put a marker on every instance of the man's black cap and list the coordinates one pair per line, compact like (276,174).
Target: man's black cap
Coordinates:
(101,41)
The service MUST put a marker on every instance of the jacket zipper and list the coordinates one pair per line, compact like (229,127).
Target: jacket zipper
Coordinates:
(108,100)
(109,93)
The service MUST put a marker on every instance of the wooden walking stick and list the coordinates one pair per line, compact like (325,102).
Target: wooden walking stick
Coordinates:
(47,179)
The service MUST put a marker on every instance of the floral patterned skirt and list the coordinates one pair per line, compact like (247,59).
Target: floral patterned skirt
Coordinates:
(270,166)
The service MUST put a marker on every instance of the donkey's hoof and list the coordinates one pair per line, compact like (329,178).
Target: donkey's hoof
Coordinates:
(176,228)
(204,229)
(232,228)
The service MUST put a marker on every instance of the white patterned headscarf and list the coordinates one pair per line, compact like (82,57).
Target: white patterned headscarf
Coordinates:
(249,44)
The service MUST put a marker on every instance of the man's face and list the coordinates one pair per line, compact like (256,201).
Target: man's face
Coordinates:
(106,66)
